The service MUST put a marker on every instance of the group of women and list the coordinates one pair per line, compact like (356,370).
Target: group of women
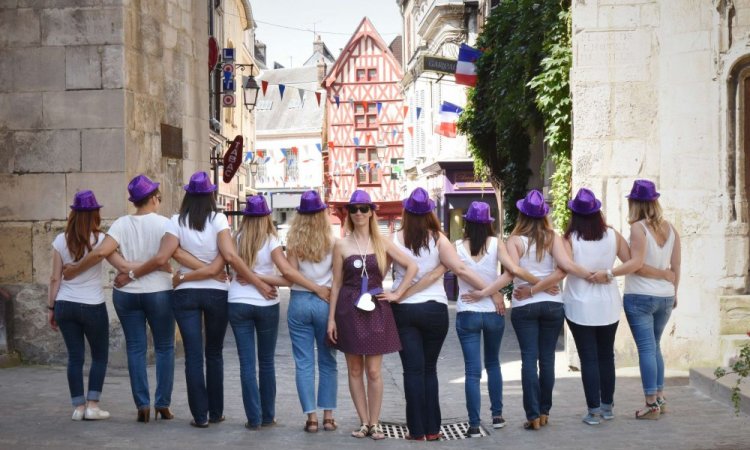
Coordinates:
(337,302)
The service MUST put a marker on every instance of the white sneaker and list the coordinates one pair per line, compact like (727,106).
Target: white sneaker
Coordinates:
(96,414)
(78,414)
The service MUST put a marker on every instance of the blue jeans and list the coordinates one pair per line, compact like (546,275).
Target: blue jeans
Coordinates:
(134,310)
(422,328)
(76,321)
(647,317)
(258,396)
(209,307)
(595,345)
(307,318)
(537,328)
(471,327)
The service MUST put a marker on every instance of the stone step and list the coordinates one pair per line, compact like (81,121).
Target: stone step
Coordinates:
(730,345)
(703,380)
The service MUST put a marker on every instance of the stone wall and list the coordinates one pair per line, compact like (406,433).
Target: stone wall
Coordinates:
(84,88)
(648,84)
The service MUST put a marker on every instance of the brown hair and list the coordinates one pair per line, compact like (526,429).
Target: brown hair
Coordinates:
(418,229)
(310,237)
(81,225)
(478,235)
(590,227)
(649,211)
(252,234)
(142,202)
(378,246)
(539,231)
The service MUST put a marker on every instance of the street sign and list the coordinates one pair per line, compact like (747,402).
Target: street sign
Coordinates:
(232,159)
(227,100)
(213,53)
(440,65)
(227,54)
(228,70)
(228,85)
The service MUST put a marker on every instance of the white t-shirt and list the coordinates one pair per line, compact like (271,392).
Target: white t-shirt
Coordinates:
(201,244)
(320,273)
(539,269)
(139,238)
(485,268)
(86,287)
(248,293)
(427,261)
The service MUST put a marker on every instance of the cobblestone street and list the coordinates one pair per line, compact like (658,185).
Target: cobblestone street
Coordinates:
(37,412)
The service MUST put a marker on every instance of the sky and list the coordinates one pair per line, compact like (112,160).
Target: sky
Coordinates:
(334,20)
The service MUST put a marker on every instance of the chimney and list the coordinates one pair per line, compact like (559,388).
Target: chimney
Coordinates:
(260,52)
(318,45)
(322,69)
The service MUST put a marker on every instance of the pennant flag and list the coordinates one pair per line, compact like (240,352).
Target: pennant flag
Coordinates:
(338,99)
(283,155)
(260,153)
(249,156)
(317,97)
(419,112)
(330,145)
(356,141)
(406,110)
(301,95)
(380,106)
(295,151)
(351,103)
(264,86)
(320,147)
(281,90)
(448,117)
(268,158)
(411,131)
(364,106)
(369,138)
(394,132)
(466,70)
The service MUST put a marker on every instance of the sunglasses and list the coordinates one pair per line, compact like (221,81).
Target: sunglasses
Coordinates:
(364,209)
(158,197)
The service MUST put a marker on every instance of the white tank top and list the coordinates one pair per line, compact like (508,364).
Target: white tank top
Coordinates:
(540,269)
(427,261)
(485,268)
(658,257)
(588,303)
(319,273)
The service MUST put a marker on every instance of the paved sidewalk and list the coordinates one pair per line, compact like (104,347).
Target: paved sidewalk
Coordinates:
(36,411)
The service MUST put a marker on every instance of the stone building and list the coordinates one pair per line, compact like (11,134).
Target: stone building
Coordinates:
(661,90)
(92,93)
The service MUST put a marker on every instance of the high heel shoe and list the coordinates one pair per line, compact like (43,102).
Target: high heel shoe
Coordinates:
(543,419)
(532,424)
(165,412)
(144,414)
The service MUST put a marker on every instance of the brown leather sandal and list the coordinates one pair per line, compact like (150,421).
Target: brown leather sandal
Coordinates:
(311,426)
(330,424)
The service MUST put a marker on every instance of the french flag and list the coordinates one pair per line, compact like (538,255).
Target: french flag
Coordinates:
(448,117)
(466,71)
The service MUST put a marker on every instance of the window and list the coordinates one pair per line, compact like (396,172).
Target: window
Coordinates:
(367,74)
(365,119)
(360,74)
(291,168)
(372,75)
(368,172)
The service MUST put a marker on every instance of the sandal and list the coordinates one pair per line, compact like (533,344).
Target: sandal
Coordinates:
(311,426)
(376,432)
(434,437)
(650,412)
(362,432)
(662,402)
(330,424)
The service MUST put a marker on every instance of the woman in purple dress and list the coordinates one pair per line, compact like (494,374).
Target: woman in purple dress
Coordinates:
(360,321)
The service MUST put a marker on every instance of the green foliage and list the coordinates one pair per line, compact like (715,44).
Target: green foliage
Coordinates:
(502,112)
(552,87)
(740,367)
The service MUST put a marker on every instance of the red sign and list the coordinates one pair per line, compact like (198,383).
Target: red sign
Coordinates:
(233,159)
(213,53)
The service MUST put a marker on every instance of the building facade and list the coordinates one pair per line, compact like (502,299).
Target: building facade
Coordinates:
(364,126)
(661,90)
(90,96)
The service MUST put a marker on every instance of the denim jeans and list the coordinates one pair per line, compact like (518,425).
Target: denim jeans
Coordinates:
(209,307)
(134,310)
(537,328)
(76,321)
(307,318)
(647,317)
(422,328)
(473,328)
(595,345)
(258,396)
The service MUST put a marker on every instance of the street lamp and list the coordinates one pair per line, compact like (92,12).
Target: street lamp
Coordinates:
(251,89)
(253,168)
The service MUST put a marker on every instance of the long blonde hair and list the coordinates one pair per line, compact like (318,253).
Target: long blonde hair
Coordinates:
(539,231)
(648,211)
(252,235)
(310,237)
(378,244)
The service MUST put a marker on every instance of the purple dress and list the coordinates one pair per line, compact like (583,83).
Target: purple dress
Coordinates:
(364,332)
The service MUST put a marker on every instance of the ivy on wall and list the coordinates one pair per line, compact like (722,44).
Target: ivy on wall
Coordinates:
(520,83)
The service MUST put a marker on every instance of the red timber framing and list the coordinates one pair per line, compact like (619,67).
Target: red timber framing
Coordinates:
(365,74)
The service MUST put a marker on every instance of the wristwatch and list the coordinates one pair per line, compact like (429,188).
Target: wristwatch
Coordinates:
(131,275)
(181,277)
(610,275)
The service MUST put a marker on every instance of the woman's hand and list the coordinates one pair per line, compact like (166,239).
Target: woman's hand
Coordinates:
(670,276)
(69,271)
(674,305)
(266,290)
(554,290)
(522,292)
(598,277)
(51,319)
(166,267)
(121,280)
(238,278)
(497,299)
(332,334)
(472,296)
(324,292)
(390,297)
(221,277)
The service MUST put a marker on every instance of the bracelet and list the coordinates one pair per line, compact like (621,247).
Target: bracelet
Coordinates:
(51,308)
(531,291)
